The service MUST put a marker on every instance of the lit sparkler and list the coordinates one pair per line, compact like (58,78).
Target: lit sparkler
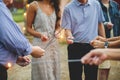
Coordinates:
(9,65)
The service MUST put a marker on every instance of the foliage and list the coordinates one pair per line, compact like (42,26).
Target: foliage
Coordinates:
(18,0)
(29,1)
(18,15)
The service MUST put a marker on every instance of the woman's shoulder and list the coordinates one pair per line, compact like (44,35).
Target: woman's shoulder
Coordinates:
(33,4)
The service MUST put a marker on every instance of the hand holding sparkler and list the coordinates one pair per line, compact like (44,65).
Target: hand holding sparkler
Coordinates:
(37,52)
(23,61)
(44,37)
(95,57)
(70,40)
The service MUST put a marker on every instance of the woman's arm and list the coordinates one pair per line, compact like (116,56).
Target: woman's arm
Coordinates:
(31,13)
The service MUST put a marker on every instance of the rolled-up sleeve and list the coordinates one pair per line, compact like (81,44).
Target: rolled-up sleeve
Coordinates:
(11,37)
(66,23)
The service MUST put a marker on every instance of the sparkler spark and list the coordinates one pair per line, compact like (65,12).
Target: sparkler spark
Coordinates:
(9,65)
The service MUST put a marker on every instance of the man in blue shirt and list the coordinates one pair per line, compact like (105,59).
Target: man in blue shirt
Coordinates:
(14,47)
(82,21)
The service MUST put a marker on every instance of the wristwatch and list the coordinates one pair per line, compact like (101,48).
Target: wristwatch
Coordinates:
(106,44)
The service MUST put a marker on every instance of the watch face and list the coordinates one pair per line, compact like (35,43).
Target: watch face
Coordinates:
(106,44)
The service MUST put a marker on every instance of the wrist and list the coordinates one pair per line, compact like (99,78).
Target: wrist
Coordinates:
(39,35)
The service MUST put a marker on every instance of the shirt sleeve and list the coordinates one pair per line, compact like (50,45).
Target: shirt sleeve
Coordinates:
(66,23)
(11,37)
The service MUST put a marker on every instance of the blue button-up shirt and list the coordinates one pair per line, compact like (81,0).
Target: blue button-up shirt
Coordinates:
(12,42)
(82,20)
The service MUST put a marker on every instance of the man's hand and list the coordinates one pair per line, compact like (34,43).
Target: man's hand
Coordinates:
(37,52)
(97,44)
(70,40)
(109,25)
(94,57)
(23,61)
(100,38)
(44,37)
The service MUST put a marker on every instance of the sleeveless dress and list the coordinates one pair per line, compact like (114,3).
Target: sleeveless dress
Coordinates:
(48,66)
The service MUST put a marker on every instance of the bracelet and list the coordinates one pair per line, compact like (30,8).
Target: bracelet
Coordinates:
(106,44)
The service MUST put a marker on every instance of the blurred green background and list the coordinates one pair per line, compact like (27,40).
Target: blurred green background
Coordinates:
(18,15)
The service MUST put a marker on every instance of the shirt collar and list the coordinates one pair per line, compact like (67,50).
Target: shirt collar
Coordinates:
(110,2)
(79,4)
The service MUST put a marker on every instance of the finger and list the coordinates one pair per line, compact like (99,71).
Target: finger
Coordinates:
(26,59)
(96,61)
(86,59)
(94,42)
(97,38)
(93,60)
(91,43)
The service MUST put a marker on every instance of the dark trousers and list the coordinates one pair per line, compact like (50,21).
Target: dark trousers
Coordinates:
(3,72)
(76,51)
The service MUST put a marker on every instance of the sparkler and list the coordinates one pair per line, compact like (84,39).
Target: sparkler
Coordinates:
(50,61)
(9,65)
(53,38)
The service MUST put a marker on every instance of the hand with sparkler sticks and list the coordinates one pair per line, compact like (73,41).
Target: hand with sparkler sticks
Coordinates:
(98,56)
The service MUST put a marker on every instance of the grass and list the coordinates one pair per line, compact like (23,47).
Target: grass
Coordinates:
(18,15)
